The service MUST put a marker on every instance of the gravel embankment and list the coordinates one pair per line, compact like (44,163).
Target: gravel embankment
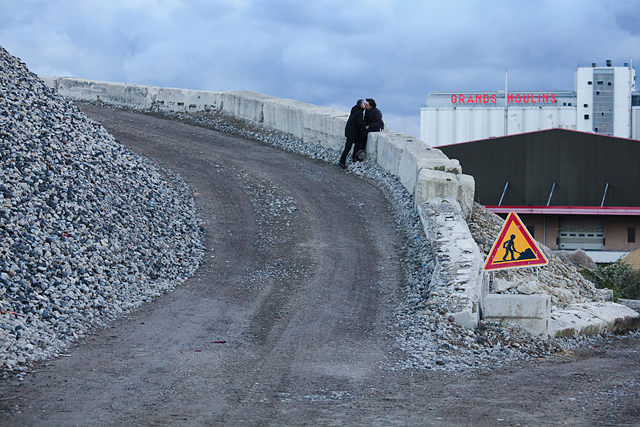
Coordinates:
(88,228)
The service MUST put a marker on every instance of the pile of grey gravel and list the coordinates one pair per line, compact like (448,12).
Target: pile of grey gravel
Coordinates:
(88,229)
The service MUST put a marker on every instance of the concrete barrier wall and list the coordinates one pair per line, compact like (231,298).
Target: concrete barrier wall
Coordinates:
(136,96)
(458,276)
(424,171)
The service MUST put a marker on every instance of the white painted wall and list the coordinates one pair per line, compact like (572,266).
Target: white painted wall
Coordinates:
(635,122)
(445,126)
(584,96)
(623,78)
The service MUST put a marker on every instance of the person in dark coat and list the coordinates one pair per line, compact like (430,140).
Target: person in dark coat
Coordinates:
(355,124)
(374,123)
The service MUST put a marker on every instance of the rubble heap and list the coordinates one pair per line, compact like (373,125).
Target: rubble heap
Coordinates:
(88,229)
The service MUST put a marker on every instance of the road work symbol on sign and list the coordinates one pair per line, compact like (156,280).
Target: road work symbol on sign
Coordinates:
(514,248)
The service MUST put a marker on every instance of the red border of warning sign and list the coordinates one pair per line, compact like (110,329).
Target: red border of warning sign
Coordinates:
(540,259)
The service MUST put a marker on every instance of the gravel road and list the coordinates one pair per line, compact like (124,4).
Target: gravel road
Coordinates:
(289,321)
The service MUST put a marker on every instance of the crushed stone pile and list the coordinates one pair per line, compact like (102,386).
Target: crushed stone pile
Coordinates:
(88,229)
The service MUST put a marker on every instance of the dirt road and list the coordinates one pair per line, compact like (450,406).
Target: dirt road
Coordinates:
(288,320)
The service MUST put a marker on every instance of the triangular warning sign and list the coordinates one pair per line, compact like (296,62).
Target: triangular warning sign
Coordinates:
(514,248)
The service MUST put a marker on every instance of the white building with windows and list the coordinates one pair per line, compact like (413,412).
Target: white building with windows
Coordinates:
(603,101)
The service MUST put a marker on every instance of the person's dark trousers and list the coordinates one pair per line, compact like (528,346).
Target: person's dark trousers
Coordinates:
(347,147)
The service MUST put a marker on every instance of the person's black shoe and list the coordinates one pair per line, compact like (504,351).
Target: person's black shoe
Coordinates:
(342,165)
(361,155)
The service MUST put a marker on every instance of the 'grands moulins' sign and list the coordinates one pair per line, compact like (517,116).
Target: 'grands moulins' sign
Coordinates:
(516,98)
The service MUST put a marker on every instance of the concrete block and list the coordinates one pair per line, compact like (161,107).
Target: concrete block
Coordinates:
(390,148)
(466,192)
(285,115)
(408,168)
(467,318)
(136,96)
(314,125)
(185,100)
(593,318)
(435,184)
(119,94)
(531,311)
(517,306)
(372,145)
(416,156)
(50,81)
(325,127)
(245,104)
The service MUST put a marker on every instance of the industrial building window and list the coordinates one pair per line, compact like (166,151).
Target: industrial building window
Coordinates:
(586,105)
(586,117)
(589,83)
(631,235)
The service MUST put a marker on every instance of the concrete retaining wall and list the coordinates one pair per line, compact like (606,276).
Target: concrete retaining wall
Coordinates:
(424,171)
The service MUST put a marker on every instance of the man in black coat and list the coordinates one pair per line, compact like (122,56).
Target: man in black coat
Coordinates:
(355,124)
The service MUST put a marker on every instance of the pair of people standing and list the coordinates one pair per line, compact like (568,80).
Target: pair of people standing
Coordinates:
(365,117)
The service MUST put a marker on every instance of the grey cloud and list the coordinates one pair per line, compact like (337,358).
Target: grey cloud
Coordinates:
(327,53)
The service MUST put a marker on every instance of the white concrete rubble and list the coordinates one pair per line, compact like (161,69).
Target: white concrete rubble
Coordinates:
(501,285)
(592,318)
(631,303)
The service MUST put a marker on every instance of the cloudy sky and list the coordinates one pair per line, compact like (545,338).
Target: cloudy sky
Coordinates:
(325,52)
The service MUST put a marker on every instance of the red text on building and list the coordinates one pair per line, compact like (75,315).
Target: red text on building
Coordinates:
(517,98)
